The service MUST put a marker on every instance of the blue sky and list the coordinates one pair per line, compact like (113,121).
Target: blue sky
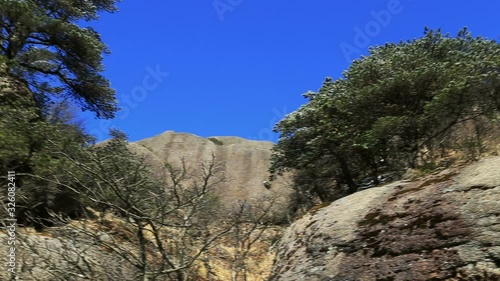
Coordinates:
(235,67)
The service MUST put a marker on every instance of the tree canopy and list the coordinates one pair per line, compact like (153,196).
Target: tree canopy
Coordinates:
(43,44)
(389,107)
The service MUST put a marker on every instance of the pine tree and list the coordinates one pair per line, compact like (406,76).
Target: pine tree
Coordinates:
(43,44)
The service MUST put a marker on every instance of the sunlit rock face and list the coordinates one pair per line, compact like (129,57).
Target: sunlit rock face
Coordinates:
(242,163)
(445,226)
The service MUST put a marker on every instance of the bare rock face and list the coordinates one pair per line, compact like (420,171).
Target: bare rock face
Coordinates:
(443,227)
(243,163)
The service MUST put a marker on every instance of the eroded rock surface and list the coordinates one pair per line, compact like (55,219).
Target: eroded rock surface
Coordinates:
(243,163)
(443,227)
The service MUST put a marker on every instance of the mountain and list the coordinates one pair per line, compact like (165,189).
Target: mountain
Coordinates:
(242,162)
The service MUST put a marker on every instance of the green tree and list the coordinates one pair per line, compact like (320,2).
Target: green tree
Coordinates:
(30,145)
(49,64)
(386,109)
(43,45)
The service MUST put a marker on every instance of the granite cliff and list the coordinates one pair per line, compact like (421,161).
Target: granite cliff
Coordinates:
(243,162)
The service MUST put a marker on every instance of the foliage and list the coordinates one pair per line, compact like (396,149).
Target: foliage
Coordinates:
(48,64)
(386,109)
(42,44)
(216,141)
(31,145)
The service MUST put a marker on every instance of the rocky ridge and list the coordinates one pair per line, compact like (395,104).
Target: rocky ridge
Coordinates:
(243,163)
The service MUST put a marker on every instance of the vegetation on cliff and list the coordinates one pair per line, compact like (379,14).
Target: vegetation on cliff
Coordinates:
(48,65)
(43,44)
(404,105)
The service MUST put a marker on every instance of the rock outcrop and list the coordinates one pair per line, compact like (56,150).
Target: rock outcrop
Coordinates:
(445,226)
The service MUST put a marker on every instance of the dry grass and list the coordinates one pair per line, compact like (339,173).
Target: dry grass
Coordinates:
(219,258)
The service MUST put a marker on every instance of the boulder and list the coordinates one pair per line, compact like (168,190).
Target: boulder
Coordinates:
(445,226)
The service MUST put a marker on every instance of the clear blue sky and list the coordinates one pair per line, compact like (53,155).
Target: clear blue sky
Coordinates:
(235,67)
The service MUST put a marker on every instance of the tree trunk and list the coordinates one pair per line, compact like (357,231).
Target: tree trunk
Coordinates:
(347,177)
